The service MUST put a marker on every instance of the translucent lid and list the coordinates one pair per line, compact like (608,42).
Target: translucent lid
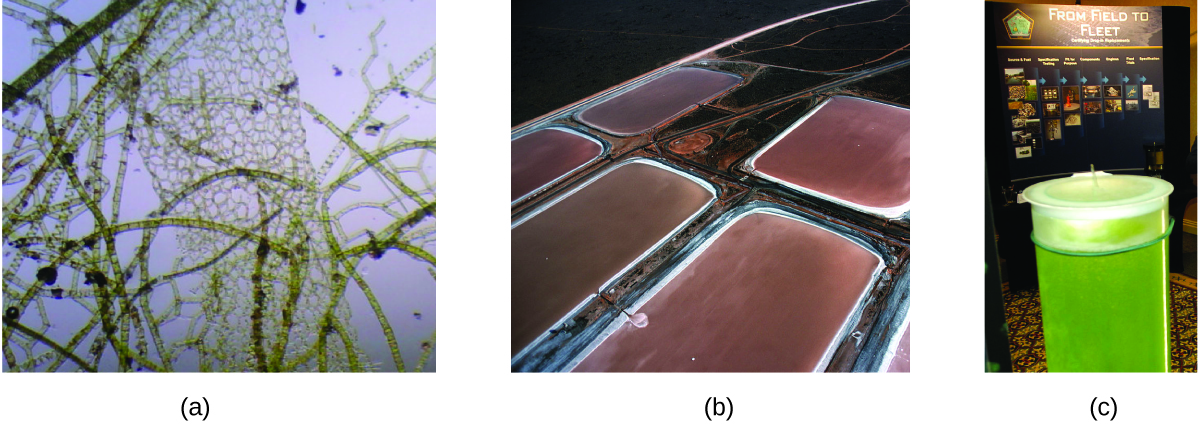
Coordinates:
(1098,196)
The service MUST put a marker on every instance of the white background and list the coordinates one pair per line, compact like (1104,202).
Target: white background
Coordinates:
(473,383)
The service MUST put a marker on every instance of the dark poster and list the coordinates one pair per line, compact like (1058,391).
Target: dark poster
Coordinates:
(1082,85)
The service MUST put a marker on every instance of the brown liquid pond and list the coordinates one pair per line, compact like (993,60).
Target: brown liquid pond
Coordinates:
(545,155)
(850,149)
(650,104)
(770,294)
(566,252)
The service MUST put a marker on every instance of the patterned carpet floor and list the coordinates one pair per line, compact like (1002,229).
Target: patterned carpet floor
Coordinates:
(1027,344)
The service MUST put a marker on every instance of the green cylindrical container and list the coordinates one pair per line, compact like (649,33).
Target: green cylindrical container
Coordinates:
(1102,270)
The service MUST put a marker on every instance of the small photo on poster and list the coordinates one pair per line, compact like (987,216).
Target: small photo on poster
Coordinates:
(1024,152)
(1033,126)
(1073,120)
(1131,92)
(1031,91)
(1049,93)
(1022,138)
(1091,92)
(1053,130)
(1070,97)
(1014,75)
(1018,122)
(1028,110)
(1051,110)
(1016,93)
(1112,105)
(1131,106)
(1090,108)
(1016,105)
(1155,98)
(1112,91)
(1147,89)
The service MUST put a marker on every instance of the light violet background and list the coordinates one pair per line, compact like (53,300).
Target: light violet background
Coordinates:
(401,284)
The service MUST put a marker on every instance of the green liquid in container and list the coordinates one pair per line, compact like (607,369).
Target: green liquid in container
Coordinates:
(1103,313)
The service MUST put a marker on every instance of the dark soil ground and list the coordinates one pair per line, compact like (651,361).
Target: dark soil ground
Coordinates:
(566,51)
